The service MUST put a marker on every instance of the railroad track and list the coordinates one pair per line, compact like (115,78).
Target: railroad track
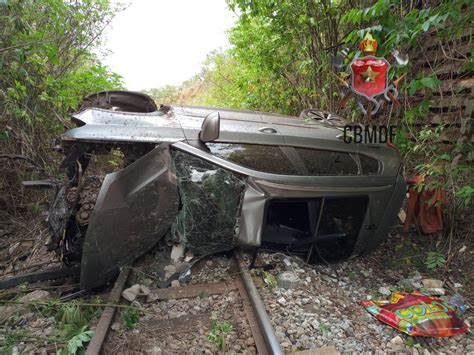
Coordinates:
(261,329)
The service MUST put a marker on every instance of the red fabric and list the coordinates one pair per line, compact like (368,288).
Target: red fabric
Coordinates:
(424,207)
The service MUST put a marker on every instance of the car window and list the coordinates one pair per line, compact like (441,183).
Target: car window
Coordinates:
(265,158)
(327,162)
(370,166)
(306,162)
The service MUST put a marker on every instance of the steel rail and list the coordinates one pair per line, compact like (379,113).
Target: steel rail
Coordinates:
(258,306)
(108,314)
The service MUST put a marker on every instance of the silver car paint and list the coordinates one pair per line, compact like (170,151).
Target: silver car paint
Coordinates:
(180,127)
(134,209)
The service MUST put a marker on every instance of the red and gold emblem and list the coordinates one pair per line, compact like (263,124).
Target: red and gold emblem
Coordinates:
(369,76)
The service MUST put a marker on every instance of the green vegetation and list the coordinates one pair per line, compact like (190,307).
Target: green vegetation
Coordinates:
(218,332)
(203,294)
(434,260)
(279,61)
(72,325)
(47,65)
(267,277)
(77,343)
(130,318)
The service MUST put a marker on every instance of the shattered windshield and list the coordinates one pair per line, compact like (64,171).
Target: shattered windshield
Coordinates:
(210,198)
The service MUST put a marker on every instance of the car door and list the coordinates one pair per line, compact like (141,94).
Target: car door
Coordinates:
(135,208)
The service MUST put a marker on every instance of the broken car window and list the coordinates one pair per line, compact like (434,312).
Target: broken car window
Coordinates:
(210,198)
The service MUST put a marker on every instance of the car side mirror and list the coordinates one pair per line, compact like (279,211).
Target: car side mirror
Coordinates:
(210,127)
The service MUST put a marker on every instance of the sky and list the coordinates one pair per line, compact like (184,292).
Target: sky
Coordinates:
(164,42)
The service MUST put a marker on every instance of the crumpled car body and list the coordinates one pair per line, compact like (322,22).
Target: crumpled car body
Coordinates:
(266,180)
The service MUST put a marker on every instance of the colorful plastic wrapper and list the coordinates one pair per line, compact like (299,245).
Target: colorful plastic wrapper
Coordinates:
(417,314)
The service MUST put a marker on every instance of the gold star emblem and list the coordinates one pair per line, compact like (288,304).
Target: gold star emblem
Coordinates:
(369,75)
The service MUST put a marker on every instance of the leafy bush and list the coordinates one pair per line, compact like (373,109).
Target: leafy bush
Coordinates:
(130,318)
(47,65)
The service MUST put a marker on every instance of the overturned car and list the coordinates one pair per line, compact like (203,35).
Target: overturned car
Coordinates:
(214,179)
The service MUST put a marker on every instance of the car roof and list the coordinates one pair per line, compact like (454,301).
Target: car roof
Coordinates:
(252,126)
(177,123)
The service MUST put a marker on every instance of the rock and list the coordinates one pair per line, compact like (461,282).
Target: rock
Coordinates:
(144,290)
(432,283)
(175,314)
(457,285)
(326,350)
(169,270)
(37,295)
(177,252)
(115,326)
(385,291)
(131,293)
(396,344)
(189,257)
(175,283)
(436,291)
(315,324)
(282,301)
(346,325)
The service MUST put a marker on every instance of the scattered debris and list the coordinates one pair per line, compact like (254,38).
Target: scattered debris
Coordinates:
(402,216)
(436,291)
(144,290)
(177,253)
(417,315)
(326,350)
(457,300)
(432,283)
(385,291)
(282,301)
(131,293)
(175,283)
(287,280)
(169,270)
(396,344)
(37,295)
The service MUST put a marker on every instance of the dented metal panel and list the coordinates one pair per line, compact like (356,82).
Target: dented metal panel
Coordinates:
(112,126)
(135,208)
